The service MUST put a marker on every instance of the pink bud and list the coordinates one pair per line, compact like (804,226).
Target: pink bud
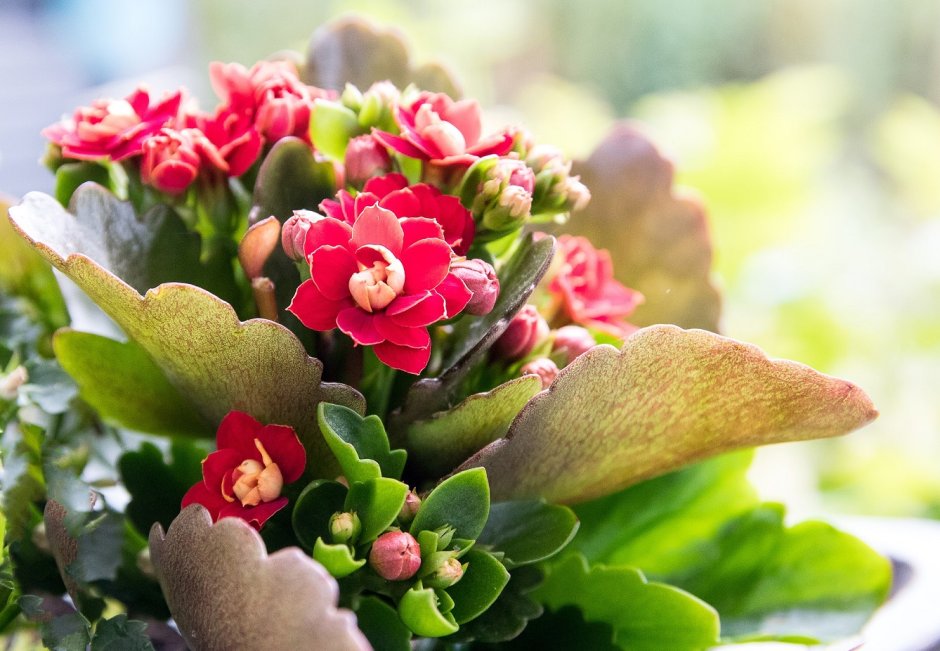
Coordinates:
(573,340)
(294,233)
(544,368)
(577,194)
(410,508)
(395,556)
(480,278)
(525,330)
(366,158)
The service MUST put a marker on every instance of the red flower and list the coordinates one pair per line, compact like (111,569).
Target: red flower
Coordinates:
(382,281)
(113,128)
(393,193)
(435,128)
(234,135)
(585,286)
(173,159)
(244,477)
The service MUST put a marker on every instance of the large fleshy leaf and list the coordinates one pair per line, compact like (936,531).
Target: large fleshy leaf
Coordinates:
(668,398)
(353,50)
(218,362)
(658,234)
(226,592)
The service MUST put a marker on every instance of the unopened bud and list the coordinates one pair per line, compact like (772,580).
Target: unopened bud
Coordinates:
(577,195)
(544,368)
(573,341)
(345,527)
(443,570)
(395,556)
(365,158)
(378,104)
(480,278)
(294,233)
(410,508)
(11,382)
(351,97)
(539,157)
(525,330)
(510,210)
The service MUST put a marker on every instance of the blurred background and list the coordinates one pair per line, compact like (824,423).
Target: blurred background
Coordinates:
(810,127)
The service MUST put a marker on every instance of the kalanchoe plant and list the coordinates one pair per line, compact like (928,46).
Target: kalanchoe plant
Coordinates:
(431,422)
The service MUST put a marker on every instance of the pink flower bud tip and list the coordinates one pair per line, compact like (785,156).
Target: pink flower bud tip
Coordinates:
(410,508)
(544,368)
(365,158)
(480,278)
(573,340)
(446,574)
(524,331)
(294,233)
(395,556)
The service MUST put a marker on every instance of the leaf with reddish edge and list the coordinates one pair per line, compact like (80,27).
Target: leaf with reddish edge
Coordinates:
(216,361)
(668,398)
(658,234)
(226,592)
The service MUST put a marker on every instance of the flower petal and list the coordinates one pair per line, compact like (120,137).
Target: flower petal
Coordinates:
(382,185)
(402,335)
(256,516)
(360,325)
(410,360)
(326,232)
(330,269)
(419,228)
(465,115)
(426,264)
(313,309)
(236,428)
(220,463)
(399,144)
(285,449)
(376,225)
(409,313)
(403,203)
(200,494)
(456,294)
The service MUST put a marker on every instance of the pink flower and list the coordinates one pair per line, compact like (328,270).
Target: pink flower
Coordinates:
(481,279)
(525,330)
(173,159)
(573,341)
(393,193)
(585,287)
(365,158)
(244,477)
(435,128)
(382,281)
(542,367)
(234,135)
(395,556)
(270,93)
(113,128)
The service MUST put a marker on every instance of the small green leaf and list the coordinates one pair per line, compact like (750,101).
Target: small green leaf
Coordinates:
(461,501)
(125,387)
(337,559)
(382,626)
(69,632)
(377,502)
(70,176)
(528,531)
(359,444)
(313,508)
(331,127)
(481,584)
(441,442)
(121,634)
(644,616)
(419,610)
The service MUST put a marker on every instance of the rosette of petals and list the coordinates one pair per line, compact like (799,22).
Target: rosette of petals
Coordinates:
(584,285)
(245,476)
(437,129)
(173,159)
(392,192)
(233,133)
(114,128)
(382,281)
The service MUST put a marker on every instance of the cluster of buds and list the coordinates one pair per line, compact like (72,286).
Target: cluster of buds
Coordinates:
(556,191)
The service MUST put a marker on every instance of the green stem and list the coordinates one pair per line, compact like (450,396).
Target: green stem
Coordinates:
(376,385)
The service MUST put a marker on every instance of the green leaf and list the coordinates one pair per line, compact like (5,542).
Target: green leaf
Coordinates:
(528,531)
(125,387)
(359,444)
(377,502)
(668,398)
(215,360)
(121,634)
(380,623)
(461,501)
(313,508)
(643,615)
(441,442)
(421,611)
(337,559)
(473,336)
(70,632)
(511,611)
(481,584)
(331,127)
(70,176)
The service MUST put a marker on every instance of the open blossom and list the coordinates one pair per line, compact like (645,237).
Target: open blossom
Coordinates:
(246,475)
(113,128)
(382,281)
(435,128)
(173,159)
(393,193)
(233,133)
(584,285)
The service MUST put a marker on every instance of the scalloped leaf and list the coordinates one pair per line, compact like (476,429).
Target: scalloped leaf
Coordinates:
(658,233)
(441,442)
(528,531)
(378,502)
(668,398)
(425,611)
(354,50)
(226,592)
(359,444)
(643,615)
(218,362)
(337,559)
(461,501)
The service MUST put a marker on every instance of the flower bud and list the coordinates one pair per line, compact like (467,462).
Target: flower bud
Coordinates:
(11,383)
(345,527)
(577,195)
(443,570)
(410,508)
(294,233)
(573,341)
(351,97)
(395,556)
(378,105)
(525,330)
(544,368)
(480,278)
(365,158)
